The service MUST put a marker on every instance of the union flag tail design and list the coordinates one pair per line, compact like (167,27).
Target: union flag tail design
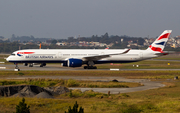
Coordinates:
(159,44)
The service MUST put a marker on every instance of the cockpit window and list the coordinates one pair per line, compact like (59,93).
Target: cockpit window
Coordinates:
(13,54)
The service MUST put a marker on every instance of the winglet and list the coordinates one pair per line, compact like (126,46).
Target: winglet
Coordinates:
(107,48)
(122,52)
(126,51)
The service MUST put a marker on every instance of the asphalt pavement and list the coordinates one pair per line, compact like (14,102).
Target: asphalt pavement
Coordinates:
(147,84)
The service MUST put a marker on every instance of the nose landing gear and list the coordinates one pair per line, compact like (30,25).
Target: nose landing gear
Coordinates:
(16,68)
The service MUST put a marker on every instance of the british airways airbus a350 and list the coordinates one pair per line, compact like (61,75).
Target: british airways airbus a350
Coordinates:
(90,57)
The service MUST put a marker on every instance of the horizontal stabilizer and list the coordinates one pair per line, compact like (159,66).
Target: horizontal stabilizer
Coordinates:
(165,53)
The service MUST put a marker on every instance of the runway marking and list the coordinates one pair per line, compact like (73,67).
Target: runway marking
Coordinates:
(2,67)
(114,69)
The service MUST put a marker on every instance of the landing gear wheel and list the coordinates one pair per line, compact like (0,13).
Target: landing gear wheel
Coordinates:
(30,65)
(16,68)
(44,64)
(85,67)
(90,67)
(95,67)
(25,64)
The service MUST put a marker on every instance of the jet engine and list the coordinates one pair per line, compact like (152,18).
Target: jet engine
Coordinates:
(74,62)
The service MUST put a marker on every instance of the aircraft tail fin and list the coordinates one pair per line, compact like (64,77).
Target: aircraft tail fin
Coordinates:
(159,44)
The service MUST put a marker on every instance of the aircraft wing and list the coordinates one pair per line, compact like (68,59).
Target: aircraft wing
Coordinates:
(98,57)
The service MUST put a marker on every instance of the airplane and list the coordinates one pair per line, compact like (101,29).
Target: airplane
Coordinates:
(90,57)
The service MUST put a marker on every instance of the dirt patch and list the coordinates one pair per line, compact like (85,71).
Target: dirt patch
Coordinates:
(44,95)
(31,91)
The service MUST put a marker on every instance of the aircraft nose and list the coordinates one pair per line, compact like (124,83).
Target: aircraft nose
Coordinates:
(7,59)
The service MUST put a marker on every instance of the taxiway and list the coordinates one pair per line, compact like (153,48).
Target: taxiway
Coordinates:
(147,84)
(58,67)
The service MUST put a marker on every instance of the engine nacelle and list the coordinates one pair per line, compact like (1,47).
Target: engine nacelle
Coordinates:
(74,62)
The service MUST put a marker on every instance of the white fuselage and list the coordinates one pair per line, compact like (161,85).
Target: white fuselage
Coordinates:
(78,57)
(61,55)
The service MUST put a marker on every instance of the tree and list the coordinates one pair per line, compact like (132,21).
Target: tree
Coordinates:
(22,107)
(1,37)
(54,42)
(141,41)
(106,35)
(75,109)
(13,36)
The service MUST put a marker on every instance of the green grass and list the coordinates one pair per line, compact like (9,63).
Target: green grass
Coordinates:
(169,57)
(69,83)
(162,100)
(3,60)
(165,99)
(147,64)
(128,74)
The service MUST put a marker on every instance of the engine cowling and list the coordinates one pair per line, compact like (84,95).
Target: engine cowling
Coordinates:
(74,62)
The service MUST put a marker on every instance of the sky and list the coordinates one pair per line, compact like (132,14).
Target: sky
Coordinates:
(61,19)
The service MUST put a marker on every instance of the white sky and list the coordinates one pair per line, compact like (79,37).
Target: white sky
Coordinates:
(65,18)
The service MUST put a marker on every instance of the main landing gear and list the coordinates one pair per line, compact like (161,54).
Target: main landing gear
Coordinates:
(43,64)
(31,65)
(90,65)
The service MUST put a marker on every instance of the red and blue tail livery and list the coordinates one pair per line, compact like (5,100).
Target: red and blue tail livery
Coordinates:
(159,44)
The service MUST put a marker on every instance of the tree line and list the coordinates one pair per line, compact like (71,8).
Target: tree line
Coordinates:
(9,47)
(120,42)
(94,38)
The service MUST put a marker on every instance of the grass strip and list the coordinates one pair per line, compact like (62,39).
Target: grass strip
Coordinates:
(127,74)
(69,83)
(164,99)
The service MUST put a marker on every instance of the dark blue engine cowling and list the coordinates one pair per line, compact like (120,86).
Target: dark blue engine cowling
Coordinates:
(74,62)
